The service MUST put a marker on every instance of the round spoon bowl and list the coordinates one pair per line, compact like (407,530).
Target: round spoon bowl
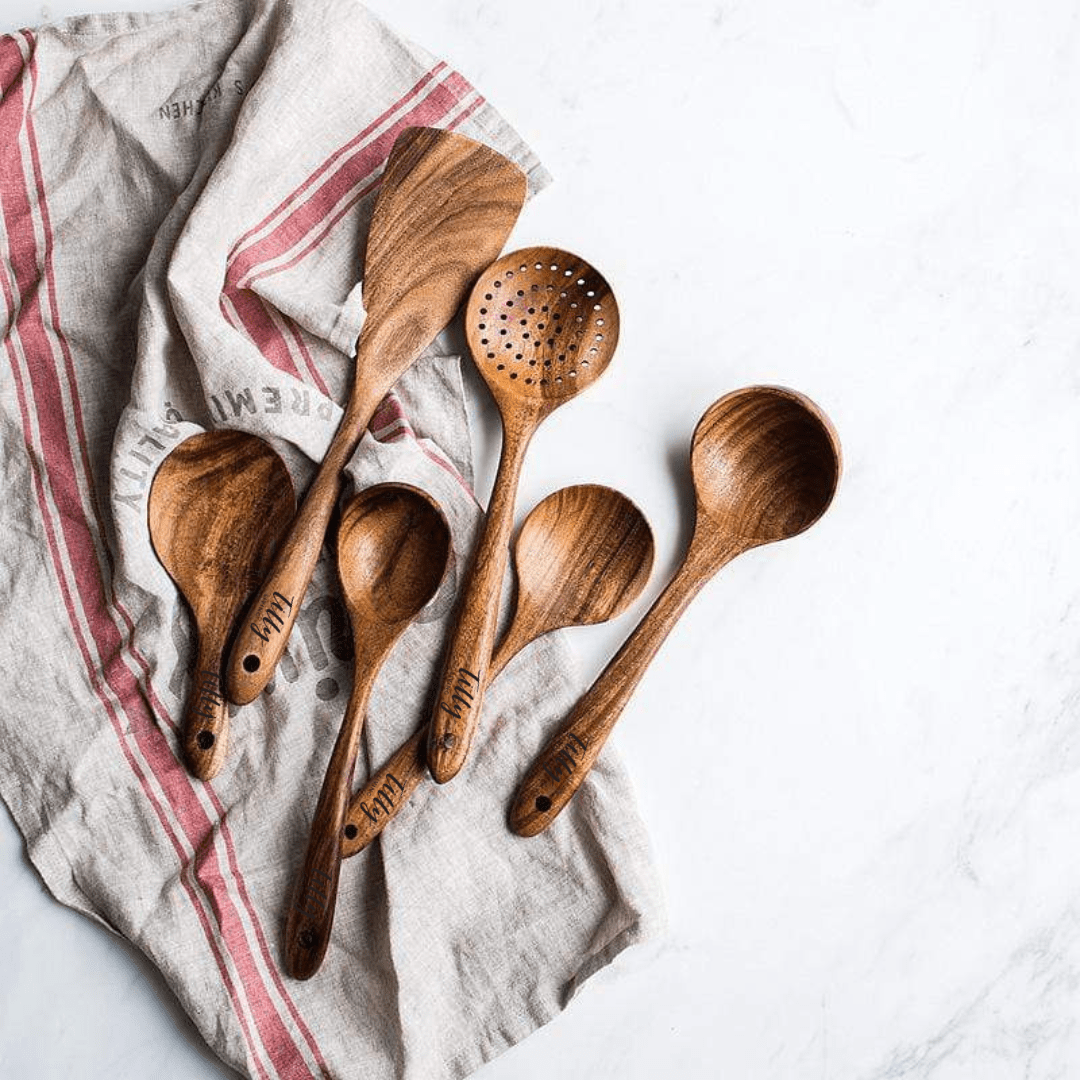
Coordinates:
(583,556)
(542,324)
(393,547)
(765,462)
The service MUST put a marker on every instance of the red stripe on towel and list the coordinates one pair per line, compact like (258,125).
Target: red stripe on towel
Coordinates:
(75,541)
(255,317)
(335,157)
(12,196)
(310,221)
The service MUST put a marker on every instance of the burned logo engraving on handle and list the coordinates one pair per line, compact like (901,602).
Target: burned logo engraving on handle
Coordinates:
(462,696)
(383,802)
(209,697)
(315,898)
(562,763)
(273,618)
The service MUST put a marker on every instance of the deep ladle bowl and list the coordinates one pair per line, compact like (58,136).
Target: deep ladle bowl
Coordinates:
(766,462)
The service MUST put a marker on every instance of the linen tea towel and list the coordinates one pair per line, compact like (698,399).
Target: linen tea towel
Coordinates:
(183,201)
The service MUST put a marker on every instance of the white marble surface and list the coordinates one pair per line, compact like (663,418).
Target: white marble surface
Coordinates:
(857,751)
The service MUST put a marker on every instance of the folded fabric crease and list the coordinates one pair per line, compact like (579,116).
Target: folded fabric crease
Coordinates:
(183,203)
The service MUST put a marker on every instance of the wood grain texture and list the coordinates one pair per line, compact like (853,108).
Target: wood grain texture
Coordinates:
(542,325)
(444,211)
(766,463)
(393,550)
(583,556)
(218,505)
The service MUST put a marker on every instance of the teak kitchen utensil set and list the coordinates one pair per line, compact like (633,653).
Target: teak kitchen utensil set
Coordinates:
(541,325)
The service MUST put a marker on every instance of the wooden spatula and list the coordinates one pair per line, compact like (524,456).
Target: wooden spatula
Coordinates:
(446,207)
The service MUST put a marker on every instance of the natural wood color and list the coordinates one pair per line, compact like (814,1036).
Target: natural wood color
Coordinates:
(765,463)
(445,209)
(218,505)
(393,550)
(541,325)
(582,556)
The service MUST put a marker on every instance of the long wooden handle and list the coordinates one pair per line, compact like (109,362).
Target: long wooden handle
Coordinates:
(311,916)
(264,630)
(388,789)
(205,731)
(566,760)
(460,695)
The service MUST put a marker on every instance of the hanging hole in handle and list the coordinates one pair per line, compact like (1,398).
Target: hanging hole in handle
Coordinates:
(205,740)
(251,663)
(308,939)
(543,803)
(350,831)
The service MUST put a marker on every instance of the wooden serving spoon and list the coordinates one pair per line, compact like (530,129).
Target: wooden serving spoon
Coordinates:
(218,505)
(765,462)
(393,549)
(446,207)
(541,325)
(583,556)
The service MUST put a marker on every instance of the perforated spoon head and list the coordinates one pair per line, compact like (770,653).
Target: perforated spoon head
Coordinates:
(766,463)
(542,325)
(393,549)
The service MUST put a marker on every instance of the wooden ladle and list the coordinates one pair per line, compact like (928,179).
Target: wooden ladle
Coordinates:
(765,463)
(583,556)
(218,505)
(542,326)
(393,549)
(445,209)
